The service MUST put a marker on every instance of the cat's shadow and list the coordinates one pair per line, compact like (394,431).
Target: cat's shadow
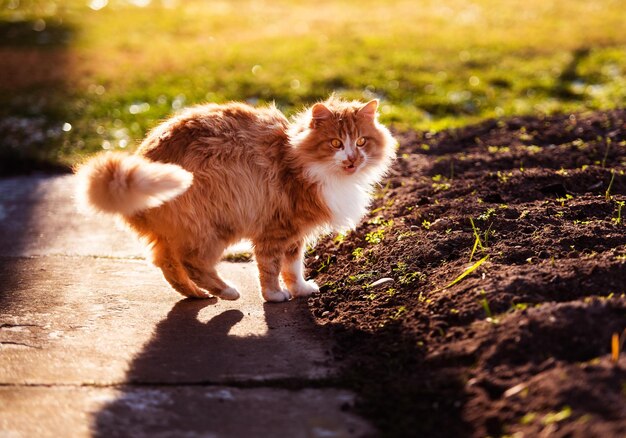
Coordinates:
(187,356)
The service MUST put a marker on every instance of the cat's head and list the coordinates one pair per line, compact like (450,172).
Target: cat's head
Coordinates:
(342,139)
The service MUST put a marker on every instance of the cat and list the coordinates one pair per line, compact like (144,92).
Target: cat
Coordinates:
(219,173)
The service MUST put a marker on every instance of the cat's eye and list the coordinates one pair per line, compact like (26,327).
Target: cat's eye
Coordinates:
(360,141)
(336,143)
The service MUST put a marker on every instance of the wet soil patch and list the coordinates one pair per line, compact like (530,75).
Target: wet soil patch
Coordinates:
(521,345)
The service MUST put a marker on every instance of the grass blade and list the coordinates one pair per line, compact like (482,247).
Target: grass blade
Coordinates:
(474,249)
(475,230)
(465,273)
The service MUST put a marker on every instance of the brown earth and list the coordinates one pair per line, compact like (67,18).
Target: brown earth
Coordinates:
(522,345)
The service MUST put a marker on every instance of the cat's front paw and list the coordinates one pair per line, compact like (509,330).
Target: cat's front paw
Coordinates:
(276,296)
(304,288)
(230,293)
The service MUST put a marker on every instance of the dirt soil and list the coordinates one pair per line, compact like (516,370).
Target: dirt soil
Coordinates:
(521,346)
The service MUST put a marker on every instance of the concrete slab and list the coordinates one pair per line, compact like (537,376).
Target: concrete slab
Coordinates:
(178,412)
(76,320)
(38,217)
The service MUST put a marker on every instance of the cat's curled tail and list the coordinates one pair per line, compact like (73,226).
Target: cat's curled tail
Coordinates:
(127,184)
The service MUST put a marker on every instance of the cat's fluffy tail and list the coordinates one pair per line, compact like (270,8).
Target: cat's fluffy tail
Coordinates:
(126,184)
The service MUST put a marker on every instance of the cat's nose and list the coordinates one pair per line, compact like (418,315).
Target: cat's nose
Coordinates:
(351,157)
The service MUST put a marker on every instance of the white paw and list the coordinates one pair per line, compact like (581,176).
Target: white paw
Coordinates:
(304,288)
(276,296)
(230,293)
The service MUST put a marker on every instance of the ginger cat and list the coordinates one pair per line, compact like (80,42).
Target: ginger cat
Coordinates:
(215,174)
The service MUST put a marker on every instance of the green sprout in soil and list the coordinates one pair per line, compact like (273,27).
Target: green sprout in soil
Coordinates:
(498,149)
(618,220)
(358,253)
(377,236)
(359,277)
(331,287)
(325,264)
(426,224)
(401,267)
(439,184)
(398,313)
(465,273)
(519,306)
(441,187)
(533,149)
(555,417)
(486,308)
(485,304)
(503,177)
(382,192)
(340,238)
(411,277)
(528,418)
(487,215)
(607,194)
(565,199)
(405,235)
(478,243)
(407,277)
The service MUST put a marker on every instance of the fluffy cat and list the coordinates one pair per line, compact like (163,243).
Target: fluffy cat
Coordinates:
(216,174)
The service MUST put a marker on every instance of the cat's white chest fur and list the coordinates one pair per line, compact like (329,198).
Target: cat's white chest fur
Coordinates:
(346,201)
(346,198)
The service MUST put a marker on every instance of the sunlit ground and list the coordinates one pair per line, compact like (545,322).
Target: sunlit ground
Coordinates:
(80,76)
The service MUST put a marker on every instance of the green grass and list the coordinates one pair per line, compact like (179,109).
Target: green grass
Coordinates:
(117,71)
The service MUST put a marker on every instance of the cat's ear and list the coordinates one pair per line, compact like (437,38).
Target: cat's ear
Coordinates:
(368,110)
(319,112)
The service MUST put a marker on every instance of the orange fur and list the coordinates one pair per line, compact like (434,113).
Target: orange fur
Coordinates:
(255,176)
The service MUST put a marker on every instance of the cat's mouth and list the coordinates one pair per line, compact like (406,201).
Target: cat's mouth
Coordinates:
(350,169)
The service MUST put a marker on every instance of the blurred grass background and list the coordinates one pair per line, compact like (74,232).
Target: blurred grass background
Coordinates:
(80,76)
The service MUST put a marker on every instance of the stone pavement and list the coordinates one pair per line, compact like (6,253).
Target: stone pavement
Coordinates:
(93,342)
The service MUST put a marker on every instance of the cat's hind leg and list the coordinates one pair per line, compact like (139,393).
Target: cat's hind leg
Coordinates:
(201,268)
(292,272)
(164,257)
(269,258)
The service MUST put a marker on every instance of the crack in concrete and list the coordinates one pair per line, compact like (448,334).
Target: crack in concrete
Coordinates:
(70,256)
(286,383)
(20,344)
(8,325)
